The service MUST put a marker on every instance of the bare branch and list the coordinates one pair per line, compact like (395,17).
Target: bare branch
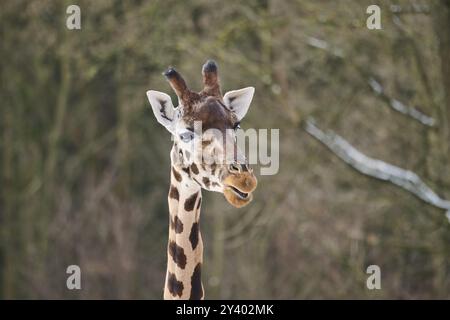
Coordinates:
(376,86)
(378,169)
(324,45)
(399,106)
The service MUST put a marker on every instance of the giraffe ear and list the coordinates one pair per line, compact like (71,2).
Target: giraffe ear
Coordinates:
(163,109)
(238,101)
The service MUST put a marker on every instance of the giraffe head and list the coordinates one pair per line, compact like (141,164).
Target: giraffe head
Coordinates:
(208,155)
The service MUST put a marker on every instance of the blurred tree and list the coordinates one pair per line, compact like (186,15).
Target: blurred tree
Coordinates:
(81,156)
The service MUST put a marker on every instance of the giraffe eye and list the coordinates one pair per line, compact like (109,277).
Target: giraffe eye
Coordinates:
(237,125)
(187,136)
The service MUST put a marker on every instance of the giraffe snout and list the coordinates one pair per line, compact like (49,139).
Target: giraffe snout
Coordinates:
(239,187)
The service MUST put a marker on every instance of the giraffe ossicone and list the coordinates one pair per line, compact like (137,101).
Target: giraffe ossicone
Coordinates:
(206,158)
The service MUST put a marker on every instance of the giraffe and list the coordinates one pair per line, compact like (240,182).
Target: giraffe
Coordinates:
(190,173)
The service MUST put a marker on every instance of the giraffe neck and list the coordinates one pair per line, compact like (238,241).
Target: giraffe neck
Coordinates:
(185,247)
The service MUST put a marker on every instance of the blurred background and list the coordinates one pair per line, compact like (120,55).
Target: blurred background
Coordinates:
(84,165)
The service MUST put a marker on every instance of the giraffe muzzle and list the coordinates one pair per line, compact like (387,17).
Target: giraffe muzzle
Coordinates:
(238,188)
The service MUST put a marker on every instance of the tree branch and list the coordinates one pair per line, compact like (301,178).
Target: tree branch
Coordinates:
(399,106)
(375,85)
(378,169)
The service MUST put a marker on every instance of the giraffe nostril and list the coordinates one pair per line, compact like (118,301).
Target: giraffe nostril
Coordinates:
(234,167)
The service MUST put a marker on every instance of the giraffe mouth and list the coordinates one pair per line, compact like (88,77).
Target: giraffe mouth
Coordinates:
(236,197)
(239,193)
(238,189)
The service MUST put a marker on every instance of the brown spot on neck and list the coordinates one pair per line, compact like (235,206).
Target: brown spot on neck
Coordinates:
(215,184)
(196,283)
(177,254)
(173,193)
(194,235)
(177,225)
(206,181)
(174,286)
(213,168)
(186,170)
(176,175)
(190,202)
(194,168)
